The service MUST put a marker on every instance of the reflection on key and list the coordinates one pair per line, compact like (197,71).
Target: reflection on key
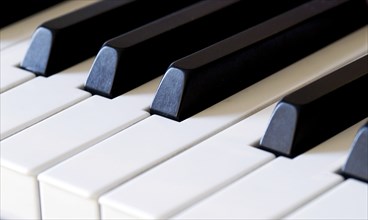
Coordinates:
(309,116)
(136,57)
(199,80)
(62,42)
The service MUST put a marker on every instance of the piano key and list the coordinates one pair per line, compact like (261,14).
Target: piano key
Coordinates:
(11,75)
(176,184)
(67,40)
(163,138)
(9,198)
(198,81)
(115,68)
(14,11)
(36,100)
(356,165)
(270,192)
(348,200)
(308,116)
(11,55)
(23,29)
(74,77)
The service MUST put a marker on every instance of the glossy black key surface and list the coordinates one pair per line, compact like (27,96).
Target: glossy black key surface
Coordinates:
(62,42)
(357,164)
(318,111)
(12,11)
(145,53)
(199,80)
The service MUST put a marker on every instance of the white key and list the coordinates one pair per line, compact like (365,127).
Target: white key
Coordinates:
(331,154)
(10,74)
(41,97)
(23,29)
(32,102)
(13,55)
(142,96)
(73,77)
(349,200)
(270,192)
(191,176)
(128,153)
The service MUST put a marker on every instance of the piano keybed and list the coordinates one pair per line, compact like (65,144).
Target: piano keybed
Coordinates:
(70,154)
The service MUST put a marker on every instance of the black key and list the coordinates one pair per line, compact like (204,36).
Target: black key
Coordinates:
(140,55)
(318,111)
(13,11)
(62,42)
(198,81)
(357,164)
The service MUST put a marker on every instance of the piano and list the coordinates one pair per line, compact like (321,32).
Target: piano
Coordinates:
(104,117)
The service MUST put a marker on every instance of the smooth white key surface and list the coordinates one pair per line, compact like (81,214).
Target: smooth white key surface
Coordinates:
(73,77)
(349,200)
(23,29)
(10,74)
(129,153)
(32,102)
(270,192)
(42,97)
(13,55)
(192,175)
(19,196)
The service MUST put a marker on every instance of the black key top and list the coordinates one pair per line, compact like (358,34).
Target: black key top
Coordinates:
(140,55)
(13,11)
(357,164)
(198,81)
(74,37)
(318,111)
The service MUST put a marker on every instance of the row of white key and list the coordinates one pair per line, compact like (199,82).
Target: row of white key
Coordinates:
(167,189)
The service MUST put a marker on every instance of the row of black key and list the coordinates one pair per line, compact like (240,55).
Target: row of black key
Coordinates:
(145,53)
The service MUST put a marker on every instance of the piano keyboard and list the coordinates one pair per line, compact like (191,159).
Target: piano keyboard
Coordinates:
(69,153)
